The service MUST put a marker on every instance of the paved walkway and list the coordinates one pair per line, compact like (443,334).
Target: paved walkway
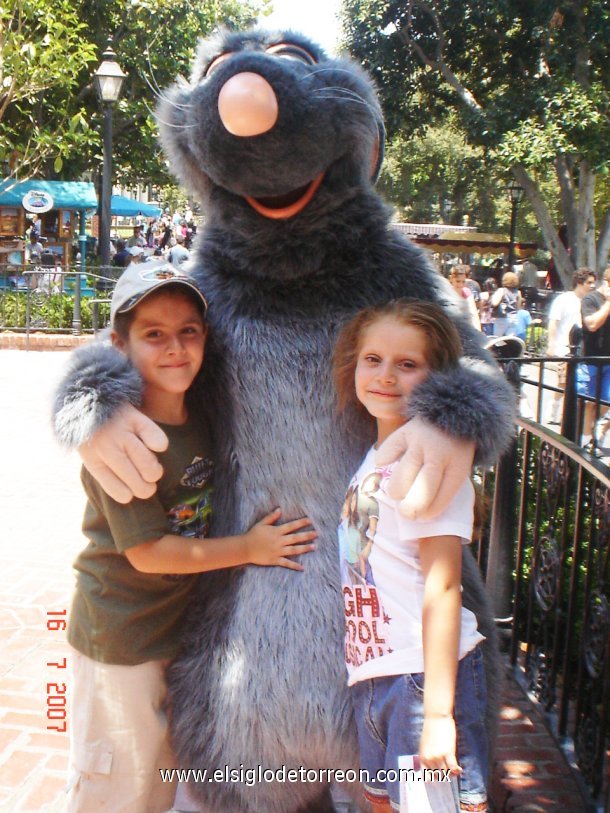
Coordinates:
(41,506)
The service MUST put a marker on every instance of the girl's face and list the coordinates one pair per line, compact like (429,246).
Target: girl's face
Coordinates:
(392,360)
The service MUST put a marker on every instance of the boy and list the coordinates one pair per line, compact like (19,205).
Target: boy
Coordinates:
(136,573)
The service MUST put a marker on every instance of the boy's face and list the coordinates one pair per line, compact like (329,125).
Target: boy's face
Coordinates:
(166,342)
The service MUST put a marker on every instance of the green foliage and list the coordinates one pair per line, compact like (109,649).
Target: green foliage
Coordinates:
(52,312)
(155,43)
(50,116)
(43,52)
(529,83)
(437,176)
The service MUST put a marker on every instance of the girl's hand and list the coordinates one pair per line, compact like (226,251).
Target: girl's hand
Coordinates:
(437,744)
(270,544)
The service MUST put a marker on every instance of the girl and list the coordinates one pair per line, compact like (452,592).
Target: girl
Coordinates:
(411,649)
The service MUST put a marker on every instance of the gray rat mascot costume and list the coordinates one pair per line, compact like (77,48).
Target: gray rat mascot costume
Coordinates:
(281,145)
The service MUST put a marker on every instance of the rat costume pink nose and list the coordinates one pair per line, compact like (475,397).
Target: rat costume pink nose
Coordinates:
(247,105)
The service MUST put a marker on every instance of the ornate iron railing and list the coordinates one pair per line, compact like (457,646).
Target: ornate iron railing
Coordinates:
(55,300)
(548,574)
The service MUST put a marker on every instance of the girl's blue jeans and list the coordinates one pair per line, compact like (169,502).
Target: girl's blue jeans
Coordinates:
(389,715)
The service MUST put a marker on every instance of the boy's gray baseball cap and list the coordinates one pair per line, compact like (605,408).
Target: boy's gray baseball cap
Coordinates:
(139,280)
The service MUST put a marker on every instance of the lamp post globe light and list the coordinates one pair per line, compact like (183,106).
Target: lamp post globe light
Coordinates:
(515,194)
(108,81)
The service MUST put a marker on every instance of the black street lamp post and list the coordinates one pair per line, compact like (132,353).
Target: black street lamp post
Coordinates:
(515,194)
(108,81)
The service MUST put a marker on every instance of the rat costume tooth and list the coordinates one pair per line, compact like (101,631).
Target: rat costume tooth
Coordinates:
(261,680)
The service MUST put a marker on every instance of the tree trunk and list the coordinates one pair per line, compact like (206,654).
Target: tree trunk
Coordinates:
(563,261)
(586,218)
(568,197)
(603,243)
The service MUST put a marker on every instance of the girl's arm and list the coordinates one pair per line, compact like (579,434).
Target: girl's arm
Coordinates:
(441,558)
(264,544)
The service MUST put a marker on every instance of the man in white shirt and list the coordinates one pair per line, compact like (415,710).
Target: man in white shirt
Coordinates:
(178,254)
(565,312)
(137,239)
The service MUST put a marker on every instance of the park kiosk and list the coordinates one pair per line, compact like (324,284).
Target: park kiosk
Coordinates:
(59,207)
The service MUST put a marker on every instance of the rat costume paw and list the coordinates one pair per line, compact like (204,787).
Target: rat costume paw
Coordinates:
(97,383)
(471,402)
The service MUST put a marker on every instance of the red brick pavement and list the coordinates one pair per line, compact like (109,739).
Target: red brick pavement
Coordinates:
(41,505)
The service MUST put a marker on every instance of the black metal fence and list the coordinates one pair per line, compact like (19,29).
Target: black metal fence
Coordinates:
(55,300)
(547,567)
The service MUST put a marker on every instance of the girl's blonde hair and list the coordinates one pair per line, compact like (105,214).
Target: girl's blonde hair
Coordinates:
(443,349)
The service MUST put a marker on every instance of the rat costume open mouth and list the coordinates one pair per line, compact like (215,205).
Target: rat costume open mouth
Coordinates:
(289,204)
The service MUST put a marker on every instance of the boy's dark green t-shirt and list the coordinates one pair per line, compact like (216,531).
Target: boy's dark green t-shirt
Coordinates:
(120,615)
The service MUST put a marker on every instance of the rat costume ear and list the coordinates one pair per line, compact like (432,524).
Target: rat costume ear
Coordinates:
(377,152)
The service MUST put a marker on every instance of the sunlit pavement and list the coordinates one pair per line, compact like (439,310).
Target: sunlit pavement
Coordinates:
(41,507)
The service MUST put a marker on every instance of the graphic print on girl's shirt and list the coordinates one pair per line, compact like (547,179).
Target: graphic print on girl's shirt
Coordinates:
(382,579)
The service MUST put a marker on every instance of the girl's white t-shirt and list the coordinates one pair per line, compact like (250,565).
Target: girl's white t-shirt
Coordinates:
(382,579)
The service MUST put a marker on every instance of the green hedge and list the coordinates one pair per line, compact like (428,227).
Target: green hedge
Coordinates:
(53,311)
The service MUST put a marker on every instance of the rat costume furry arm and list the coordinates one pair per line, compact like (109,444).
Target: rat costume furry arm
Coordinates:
(99,380)
(473,402)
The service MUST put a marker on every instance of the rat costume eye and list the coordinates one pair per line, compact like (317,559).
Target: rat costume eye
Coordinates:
(288,50)
(215,63)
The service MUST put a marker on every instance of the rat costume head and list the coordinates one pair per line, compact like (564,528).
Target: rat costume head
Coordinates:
(270,127)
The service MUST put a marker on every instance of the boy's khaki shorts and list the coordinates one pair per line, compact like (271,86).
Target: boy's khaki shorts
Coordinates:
(119,738)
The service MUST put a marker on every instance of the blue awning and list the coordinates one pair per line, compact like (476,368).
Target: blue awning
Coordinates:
(77,195)
(66,194)
(127,207)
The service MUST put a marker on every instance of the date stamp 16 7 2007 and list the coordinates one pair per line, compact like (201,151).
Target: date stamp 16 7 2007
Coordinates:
(56,692)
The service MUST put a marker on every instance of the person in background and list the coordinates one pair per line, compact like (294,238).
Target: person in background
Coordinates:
(167,235)
(528,283)
(592,379)
(34,226)
(137,239)
(136,253)
(122,256)
(523,320)
(178,254)
(564,314)
(485,308)
(34,248)
(506,302)
(457,280)
(474,286)
(150,233)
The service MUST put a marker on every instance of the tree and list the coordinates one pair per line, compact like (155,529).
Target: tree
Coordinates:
(43,52)
(49,112)
(155,43)
(436,176)
(528,82)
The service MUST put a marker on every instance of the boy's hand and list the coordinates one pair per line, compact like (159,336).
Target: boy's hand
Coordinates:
(270,544)
(437,744)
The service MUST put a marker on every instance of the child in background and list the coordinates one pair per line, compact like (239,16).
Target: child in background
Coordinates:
(137,572)
(414,665)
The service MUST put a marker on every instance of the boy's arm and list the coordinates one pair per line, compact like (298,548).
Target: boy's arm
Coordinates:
(441,558)
(264,544)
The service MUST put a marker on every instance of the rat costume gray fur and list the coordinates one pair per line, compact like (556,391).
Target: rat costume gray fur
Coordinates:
(295,242)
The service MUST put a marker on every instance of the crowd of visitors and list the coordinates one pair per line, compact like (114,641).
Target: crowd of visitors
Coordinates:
(167,238)
(496,310)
